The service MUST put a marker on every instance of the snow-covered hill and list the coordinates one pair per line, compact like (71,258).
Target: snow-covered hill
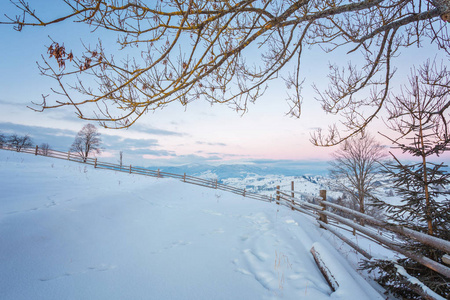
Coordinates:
(74,232)
(306,184)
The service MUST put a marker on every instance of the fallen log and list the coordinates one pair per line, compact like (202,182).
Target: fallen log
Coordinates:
(338,277)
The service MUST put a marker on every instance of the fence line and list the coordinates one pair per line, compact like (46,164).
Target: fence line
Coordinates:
(394,245)
(368,231)
(319,212)
(75,157)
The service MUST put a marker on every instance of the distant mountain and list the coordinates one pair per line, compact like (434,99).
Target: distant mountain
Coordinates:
(285,168)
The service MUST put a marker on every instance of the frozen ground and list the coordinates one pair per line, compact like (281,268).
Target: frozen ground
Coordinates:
(73,232)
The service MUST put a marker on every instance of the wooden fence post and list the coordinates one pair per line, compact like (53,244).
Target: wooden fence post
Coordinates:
(158,174)
(292,189)
(216,184)
(244,193)
(184,177)
(130,169)
(322,217)
(36,152)
(95,163)
(68,155)
(278,195)
(292,194)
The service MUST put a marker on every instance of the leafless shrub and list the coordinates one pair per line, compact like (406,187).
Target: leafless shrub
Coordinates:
(44,148)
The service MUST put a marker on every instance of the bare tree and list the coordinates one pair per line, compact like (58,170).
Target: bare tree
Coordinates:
(355,168)
(87,141)
(20,142)
(193,49)
(44,148)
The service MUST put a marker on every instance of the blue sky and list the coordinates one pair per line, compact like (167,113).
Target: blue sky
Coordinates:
(199,133)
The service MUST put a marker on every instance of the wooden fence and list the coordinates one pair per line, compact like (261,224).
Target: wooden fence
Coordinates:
(326,213)
(75,157)
(389,235)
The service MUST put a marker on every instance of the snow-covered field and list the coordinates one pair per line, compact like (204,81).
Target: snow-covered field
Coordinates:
(68,231)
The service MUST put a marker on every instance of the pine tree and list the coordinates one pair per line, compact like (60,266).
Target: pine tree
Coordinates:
(425,204)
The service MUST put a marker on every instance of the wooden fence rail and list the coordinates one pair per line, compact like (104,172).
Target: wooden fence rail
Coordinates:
(319,211)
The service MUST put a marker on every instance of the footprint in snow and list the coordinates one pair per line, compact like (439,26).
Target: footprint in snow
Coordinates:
(212,212)
(251,254)
(291,222)
(177,244)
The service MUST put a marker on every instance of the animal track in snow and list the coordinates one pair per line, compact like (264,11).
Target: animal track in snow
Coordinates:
(99,268)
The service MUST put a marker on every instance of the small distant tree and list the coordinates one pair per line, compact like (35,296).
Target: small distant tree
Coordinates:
(20,142)
(425,205)
(44,148)
(355,167)
(87,141)
(2,140)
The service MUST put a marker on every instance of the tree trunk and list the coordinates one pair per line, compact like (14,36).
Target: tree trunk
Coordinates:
(361,209)
(425,181)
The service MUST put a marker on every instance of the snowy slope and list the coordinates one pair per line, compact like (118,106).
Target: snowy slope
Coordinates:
(73,232)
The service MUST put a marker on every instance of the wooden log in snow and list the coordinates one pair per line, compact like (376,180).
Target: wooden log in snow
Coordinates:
(337,275)
(332,281)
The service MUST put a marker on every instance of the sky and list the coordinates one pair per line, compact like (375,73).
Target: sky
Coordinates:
(198,133)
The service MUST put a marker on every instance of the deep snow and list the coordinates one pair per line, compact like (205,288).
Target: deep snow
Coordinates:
(70,231)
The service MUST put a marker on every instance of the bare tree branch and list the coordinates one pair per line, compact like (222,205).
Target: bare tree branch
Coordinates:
(227,52)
